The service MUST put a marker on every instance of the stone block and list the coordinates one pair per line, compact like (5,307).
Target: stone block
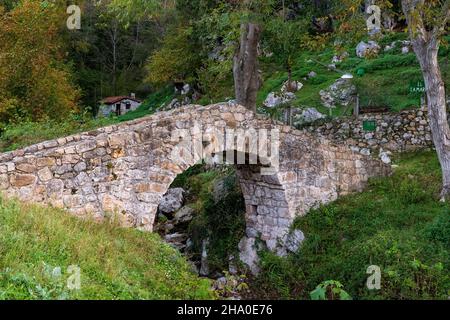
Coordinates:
(21,180)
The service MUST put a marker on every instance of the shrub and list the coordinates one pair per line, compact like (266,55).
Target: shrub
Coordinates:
(318,80)
(411,192)
(330,290)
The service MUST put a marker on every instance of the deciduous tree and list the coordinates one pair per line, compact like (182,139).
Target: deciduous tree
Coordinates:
(35,82)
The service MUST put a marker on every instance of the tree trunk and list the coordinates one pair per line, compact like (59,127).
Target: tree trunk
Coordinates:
(290,88)
(245,67)
(427,54)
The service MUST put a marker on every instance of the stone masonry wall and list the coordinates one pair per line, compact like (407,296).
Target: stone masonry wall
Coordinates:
(396,132)
(125,169)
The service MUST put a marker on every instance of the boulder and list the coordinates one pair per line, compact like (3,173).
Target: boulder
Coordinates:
(339,58)
(175,103)
(220,283)
(293,240)
(232,267)
(308,115)
(331,66)
(388,48)
(312,74)
(341,92)
(175,237)
(176,240)
(248,253)
(365,152)
(295,86)
(172,201)
(405,45)
(185,214)
(275,99)
(374,31)
(186,89)
(363,49)
(204,268)
(384,156)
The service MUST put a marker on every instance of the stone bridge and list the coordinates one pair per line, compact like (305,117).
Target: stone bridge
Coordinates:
(125,169)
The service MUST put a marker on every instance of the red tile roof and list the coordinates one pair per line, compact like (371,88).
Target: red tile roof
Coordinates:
(113,100)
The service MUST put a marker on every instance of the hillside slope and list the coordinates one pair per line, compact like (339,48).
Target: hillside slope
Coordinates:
(38,244)
(397,224)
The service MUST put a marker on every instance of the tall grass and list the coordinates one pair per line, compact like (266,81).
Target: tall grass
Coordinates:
(115,263)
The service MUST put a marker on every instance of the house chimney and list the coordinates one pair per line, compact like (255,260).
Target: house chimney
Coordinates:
(133,95)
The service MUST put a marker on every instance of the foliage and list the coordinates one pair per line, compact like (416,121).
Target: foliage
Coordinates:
(37,245)
(233,285)
(34,81)
(283,38)
(109,51)
(224,219)
(175,61)
(439,229)
(21,134)
(330,290)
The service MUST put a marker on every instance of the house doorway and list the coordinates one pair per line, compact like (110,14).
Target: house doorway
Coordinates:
(118,109)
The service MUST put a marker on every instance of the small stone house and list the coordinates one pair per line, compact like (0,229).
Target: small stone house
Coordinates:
(118,105)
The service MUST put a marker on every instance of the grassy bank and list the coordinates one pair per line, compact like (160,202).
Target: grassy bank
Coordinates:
(115,263)
(397,224)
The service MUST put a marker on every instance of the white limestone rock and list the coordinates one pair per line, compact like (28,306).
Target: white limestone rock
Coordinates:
(307,116)
(294,240)
(363,48)
(312,74)
(248,253)
(275,99)
(172,201)
(340,92)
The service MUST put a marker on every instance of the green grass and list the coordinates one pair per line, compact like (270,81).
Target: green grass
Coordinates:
(397,223)
(19,135)
(115,263)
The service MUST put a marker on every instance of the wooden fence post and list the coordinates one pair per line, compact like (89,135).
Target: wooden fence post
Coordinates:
(356,109)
